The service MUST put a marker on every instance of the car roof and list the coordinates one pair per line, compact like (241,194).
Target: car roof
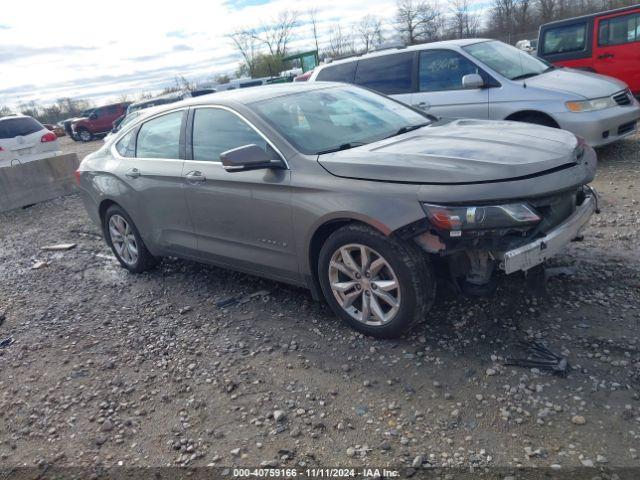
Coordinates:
(423,46)
(16,115)
(590,16)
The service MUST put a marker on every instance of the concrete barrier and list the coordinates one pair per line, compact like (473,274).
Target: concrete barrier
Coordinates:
(37,181)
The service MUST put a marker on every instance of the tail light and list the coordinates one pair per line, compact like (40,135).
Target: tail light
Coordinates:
(48,137)
(1,149)
(77,175)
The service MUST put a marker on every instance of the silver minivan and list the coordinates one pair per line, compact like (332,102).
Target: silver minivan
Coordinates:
(488,79)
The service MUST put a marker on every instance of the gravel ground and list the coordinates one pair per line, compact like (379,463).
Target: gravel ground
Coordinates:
(110,368)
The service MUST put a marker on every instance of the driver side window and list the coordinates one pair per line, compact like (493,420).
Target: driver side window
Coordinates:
(216,130)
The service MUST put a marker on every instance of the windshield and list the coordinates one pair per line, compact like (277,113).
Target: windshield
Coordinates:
(508,61)
(20,126)
(336,118)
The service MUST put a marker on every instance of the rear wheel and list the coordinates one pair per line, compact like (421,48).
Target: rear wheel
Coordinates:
(125,241)
(379,285)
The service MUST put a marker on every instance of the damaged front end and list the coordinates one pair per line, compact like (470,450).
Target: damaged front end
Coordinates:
(475,240)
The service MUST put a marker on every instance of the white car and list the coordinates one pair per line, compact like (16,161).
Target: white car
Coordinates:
(24,139)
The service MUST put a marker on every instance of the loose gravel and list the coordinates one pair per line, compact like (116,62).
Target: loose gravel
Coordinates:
(109,368)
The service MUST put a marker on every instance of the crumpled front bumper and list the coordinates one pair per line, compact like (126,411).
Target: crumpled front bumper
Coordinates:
(536,252)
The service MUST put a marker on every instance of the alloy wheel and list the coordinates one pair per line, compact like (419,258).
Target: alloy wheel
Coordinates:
(85,136)
(364,284)
(123,239)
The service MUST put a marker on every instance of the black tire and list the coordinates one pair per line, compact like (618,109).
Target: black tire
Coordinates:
(145,261)
(88,135)
(413,271)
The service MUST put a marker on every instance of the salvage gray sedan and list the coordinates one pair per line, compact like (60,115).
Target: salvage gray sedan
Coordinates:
(347,192)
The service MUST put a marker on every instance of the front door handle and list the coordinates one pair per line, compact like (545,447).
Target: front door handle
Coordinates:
(422,105)
(605,56)
(195,177)
(133,173)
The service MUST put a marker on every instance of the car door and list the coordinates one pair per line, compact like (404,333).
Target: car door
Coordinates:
(392,74)
(151,167)
(241,219)
(440,90)
(617,48)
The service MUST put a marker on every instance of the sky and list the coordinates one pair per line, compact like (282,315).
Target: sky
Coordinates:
(104,50)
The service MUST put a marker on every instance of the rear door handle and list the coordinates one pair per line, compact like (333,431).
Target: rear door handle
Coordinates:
(606,55)
(133,173)
(195,177)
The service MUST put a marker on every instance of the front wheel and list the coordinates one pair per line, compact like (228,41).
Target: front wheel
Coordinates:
(379,285)
(85,135)
(125,241)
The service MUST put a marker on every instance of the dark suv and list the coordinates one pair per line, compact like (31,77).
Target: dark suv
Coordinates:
(100,121)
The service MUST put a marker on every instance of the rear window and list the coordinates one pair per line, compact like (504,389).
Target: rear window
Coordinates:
(619,30)
(19,127)
(390,74)
(345,72)
(567,38)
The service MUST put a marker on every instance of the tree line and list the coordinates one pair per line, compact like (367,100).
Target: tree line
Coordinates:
(263,47)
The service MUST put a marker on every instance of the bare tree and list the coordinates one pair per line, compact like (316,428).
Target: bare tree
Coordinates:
(276,34)
(547,10)
(341,44)
(313,19)
(4,111)
(369,31)
(463,23)
(245,42)
(417,21)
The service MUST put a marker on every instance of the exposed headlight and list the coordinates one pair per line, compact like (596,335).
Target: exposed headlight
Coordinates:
(455,219)
(591,105)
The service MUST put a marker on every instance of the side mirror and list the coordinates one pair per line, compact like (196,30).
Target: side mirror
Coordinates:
(248,157)
(471,81)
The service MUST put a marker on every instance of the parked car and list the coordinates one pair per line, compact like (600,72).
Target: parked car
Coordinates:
(606,42)
(67,123)
(55,128)
(342,190)
(529,46)
(99,121)
(24,139)
(488,79)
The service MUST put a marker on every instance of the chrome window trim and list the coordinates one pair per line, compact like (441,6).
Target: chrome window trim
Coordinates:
(248,122)
(135,125)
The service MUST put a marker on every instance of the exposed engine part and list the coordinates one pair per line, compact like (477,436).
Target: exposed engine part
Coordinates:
(480,267)
(430,242)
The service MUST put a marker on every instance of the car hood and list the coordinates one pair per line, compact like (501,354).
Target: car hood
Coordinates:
(458,152)
(585,84)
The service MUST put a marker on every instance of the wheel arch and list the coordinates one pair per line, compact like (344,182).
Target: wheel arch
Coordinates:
(522,114)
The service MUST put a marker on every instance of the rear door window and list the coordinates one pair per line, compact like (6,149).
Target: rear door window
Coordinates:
(619,30)
(389,74)
(567,38)
(19,127)
(344,72)
(160,137)
(443,70)
(216,130)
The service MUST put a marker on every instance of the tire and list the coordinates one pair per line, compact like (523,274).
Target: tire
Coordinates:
(85,135)
(125,241)
(346,286)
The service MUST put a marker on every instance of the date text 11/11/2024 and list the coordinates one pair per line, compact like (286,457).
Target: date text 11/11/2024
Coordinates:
(315,473)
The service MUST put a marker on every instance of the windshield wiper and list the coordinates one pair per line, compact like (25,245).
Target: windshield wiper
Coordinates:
(526,75)
(409,128)
(344,146)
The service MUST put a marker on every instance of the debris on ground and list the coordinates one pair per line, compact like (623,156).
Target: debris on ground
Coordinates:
(39,264)
(543,359)
(59,247)
(6,342)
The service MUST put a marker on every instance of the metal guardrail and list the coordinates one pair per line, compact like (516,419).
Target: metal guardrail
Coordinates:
(28,183)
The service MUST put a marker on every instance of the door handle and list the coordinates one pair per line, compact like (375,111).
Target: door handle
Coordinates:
(422,105)
(195,177)
(133,173)
(606,55)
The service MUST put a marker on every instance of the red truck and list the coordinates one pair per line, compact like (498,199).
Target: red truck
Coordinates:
(606,42)
(99,122)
